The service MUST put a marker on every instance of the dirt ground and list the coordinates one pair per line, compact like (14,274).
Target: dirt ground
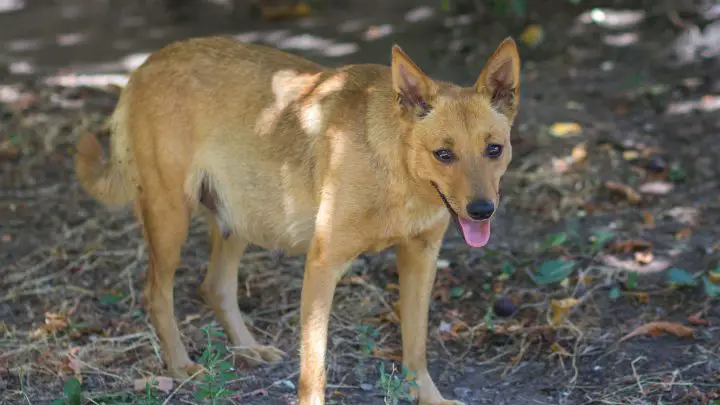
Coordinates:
(614,184)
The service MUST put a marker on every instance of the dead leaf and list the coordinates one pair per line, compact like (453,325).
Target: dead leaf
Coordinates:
(656,188)
(631,155)
(560,308)
(658,328)
(644,257)
(8,151)
(532,35)
(685,215)
(656,266)
(561,129)
(164,384)
(629,246)
(648,219)
(623,190)
(558,349)
(641,297)
(281,12)
(386,353)
(684,233)
(695,319)
(53,323)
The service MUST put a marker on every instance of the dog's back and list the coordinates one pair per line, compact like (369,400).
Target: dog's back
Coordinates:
(251,125)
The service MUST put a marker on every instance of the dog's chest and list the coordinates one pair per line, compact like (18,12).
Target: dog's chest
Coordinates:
(413,219)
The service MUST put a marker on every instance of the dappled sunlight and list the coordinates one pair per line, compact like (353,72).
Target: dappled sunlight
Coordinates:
(708,103)
(325,46)
(377,31)
(613,19)
(21,67)
(7,6)
(24,45)
(621,40)
(133,61)
(419,14)
(100,81)
(70,39)
(307,90)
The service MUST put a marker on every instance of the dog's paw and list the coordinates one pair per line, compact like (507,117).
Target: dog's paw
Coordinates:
(187,371)
(259,354)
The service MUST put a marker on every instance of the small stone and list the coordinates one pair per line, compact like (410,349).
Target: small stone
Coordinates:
(462,392)
(366,387)
(504,307)
(656,165)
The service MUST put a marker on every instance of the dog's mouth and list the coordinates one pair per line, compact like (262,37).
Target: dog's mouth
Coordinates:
(475,233)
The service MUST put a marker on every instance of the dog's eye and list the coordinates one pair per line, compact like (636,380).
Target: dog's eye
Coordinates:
(445,155)
(493,150)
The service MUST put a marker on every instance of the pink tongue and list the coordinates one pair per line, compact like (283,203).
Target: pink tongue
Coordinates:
(476,233)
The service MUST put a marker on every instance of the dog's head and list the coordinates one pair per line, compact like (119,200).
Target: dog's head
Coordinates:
(458,139)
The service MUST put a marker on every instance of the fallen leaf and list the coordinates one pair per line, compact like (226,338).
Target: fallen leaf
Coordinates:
(553,271)
(561,129)
(695,319)
(558,349)
(629,246)
(684,233)
(645,257)
(623,190)
(386,353)
(532,35)
(685,215)
(641,297)
(160,383)
(560,308)
(658,328)
(656,188)
(656,266)
(648,219)
(680,277)
(53,323)
(281,12)
(631,155)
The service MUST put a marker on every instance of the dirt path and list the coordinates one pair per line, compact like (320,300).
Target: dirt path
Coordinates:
(646,123)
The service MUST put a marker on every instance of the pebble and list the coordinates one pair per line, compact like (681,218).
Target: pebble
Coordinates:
(366,387)
(462,392)
(504,307)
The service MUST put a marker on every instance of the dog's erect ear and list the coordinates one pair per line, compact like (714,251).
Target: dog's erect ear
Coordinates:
(500,78)
(413,88)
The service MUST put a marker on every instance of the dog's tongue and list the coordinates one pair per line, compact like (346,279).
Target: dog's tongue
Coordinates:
(476,233)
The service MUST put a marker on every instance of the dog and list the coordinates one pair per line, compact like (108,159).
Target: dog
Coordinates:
(281,152)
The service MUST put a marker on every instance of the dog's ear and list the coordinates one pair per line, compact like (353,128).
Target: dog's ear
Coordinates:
(413,88)
(500,78)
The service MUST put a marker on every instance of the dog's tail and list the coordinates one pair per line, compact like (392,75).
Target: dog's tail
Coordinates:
(109,182)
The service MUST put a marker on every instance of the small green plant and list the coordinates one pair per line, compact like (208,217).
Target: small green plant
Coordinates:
(218,369)
(367,335)
(556,270)
(150,397)
(72,393)
(396,387)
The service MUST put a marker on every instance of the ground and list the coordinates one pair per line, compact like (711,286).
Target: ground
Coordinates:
(613,184)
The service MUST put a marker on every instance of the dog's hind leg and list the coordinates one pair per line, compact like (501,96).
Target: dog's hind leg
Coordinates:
(165,219)
(219,290)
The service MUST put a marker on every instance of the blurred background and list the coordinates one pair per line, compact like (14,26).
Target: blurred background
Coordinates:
(599,285)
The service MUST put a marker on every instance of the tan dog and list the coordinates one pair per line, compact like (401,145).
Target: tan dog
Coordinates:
(278,151)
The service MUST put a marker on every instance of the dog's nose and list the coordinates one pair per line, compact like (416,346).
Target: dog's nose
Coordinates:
(480,209)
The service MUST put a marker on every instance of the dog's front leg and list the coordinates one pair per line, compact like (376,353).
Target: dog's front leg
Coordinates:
(417,265)
(324,266)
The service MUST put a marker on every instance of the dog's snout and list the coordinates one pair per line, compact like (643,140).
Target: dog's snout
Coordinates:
(480,209)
